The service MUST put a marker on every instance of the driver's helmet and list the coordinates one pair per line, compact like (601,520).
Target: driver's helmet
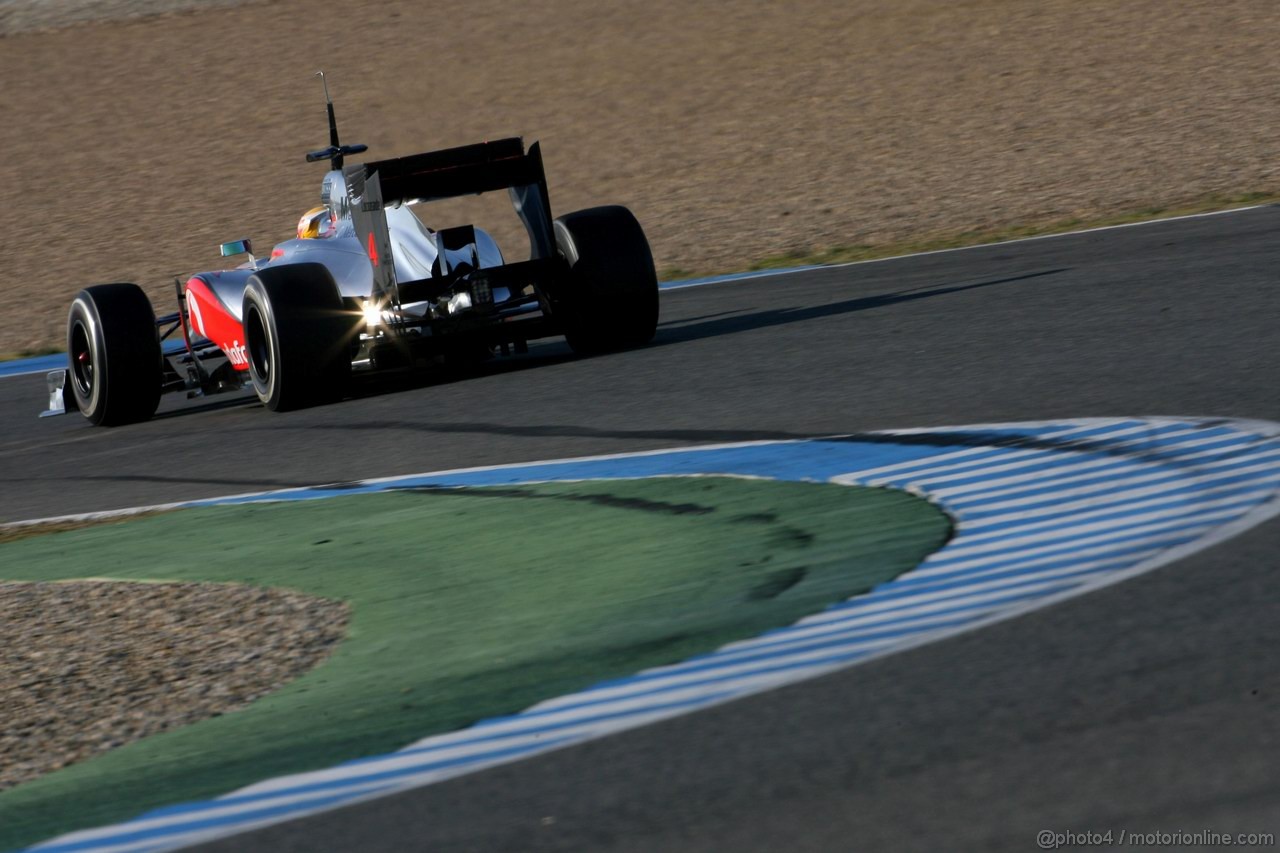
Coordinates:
(316,222)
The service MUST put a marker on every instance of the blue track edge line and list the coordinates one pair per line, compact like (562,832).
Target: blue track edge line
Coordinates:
(734,276)
(39,364)
(22,367)
(45,363)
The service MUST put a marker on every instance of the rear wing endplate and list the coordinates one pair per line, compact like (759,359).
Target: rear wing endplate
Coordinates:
(435,175)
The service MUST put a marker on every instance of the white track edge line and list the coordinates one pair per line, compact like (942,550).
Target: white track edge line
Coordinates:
(729,278)
(1261,427)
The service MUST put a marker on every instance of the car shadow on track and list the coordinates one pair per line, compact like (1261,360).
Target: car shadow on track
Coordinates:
(715,326)
(553,352)
(241,483)
(235,400)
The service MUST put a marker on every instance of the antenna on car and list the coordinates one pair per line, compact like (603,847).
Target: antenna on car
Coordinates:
(336,150)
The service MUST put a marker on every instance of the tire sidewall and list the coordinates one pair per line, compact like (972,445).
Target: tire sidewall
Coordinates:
(120,337)
(84,315)
(610,297)
(293,314)
(258,302)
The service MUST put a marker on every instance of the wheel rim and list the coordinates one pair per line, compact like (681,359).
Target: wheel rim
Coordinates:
(258,346)
(82,372)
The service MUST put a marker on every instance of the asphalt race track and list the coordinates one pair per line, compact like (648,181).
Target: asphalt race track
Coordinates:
(1153,705)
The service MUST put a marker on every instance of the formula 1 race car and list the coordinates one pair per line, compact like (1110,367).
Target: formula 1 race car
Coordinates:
(366,287)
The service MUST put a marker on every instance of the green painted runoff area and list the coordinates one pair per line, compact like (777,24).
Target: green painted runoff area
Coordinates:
(466,604)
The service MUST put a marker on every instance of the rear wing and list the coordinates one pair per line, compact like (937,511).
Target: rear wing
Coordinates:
(448,173)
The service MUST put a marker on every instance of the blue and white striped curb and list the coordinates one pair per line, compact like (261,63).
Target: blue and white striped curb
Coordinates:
(1042,512)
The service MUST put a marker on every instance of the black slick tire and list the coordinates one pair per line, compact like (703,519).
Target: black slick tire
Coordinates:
(610,300)
(297,336)
(114,367)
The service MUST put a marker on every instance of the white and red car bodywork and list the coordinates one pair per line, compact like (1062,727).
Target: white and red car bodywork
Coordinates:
(372,290)
(214,299)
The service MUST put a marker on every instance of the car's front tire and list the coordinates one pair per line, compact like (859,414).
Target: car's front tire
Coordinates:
(297,336)
(610,300)
(114,367)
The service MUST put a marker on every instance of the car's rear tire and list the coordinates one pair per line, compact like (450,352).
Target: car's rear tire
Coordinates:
(611,298)
(297,336)
(114,367)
